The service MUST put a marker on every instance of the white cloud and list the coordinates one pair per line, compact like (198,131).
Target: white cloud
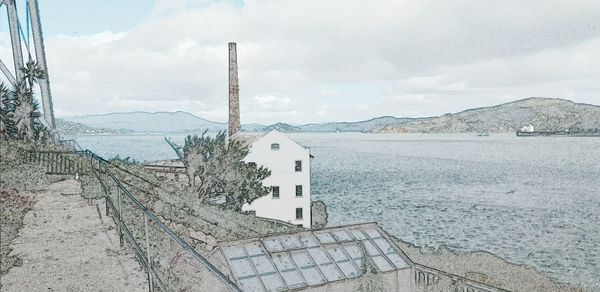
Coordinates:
(310,61)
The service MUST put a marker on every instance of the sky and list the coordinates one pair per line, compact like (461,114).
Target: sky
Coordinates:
(316,61)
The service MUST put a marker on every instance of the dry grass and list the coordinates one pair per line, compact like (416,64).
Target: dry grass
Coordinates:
(13,206)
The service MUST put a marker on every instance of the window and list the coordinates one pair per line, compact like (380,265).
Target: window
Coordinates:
(298,191)
(275,146)
(298,213)
(275,192)
(298,165)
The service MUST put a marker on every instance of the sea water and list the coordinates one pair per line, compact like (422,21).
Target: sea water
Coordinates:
(530,200)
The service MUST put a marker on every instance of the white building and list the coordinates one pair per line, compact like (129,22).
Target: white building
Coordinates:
(289,163)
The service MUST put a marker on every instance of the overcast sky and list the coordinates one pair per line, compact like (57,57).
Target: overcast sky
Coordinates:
(315,61)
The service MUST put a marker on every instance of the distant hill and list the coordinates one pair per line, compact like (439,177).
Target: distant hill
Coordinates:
(543,113)
(145,122)
(361,126)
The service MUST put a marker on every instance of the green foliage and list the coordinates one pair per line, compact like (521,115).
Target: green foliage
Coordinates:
(32,73)
(215,167)
(7,125)
(19,112)
(15,171)
(124,161)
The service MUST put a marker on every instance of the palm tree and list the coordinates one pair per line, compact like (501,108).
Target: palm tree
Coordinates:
(25,112)
(19,112)
(32,72)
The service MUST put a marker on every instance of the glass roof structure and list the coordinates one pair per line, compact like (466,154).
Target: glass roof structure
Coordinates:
(311,258)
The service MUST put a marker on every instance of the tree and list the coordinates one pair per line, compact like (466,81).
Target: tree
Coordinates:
(215,167)
(32,72)
(19,112)
(26,110)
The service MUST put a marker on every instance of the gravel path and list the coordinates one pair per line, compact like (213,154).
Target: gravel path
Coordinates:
(66,245)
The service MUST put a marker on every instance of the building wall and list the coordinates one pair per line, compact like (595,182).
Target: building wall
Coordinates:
(282,165)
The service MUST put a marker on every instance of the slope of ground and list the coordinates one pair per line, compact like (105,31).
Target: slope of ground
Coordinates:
(13,207)
(65,245)
(486,268)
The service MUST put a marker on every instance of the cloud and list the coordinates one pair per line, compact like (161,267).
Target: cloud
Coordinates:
(312,61)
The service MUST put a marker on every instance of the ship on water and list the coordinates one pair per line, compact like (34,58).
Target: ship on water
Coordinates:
(530,131)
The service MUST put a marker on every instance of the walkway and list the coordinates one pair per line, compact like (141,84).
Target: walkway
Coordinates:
(67,245)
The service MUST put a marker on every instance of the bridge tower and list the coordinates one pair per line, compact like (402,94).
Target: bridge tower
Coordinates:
(15,26)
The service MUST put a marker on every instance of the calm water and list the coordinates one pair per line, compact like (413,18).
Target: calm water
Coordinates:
(529,200)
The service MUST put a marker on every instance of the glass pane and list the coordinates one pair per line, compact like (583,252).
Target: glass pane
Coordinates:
(234,252)
(382,264)
(312,276)
(331,272)
(348,269)
(251,284)
(272,282)
(308,240)
(319,256)
(337,253)
(398,261)
(293,279)
(273,245)
(291,241)
(254,249)
(283,262)
(262,264)
(301,259)
(325,237)
(242,268)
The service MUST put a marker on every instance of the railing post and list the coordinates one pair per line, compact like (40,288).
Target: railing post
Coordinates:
(106,190)
(106,203)
(120,215)
(148,259)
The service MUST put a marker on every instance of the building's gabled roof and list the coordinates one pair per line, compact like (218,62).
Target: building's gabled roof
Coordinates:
(310,258)
(247,138)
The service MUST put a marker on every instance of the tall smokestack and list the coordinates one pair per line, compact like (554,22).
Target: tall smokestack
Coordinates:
(234,92)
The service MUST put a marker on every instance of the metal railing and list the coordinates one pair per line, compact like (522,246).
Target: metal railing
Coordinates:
(429,277)
(148,236)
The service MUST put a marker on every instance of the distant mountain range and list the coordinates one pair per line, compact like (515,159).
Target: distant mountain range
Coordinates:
(146,122)
(543,113)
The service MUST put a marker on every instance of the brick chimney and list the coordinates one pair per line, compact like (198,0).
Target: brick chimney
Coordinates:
(234,92)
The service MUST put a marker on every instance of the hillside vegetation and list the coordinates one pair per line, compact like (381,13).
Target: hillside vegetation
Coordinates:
(543,113)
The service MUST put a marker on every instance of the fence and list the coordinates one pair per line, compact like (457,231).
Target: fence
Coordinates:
(59,162)
(426,277)
(170,262)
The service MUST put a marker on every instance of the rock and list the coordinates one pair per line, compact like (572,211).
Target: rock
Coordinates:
(319,214)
